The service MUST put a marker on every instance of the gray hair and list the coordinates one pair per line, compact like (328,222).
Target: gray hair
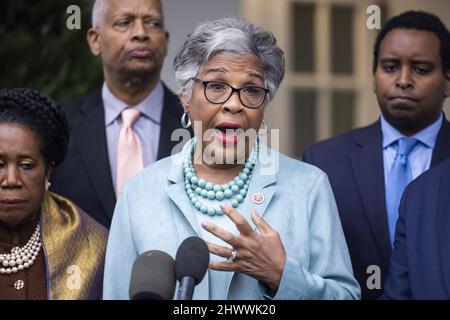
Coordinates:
(231,34)
(98,12)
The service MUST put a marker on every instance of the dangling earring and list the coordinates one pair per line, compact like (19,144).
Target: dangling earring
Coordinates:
(263,129)
(185,124)
(47,184)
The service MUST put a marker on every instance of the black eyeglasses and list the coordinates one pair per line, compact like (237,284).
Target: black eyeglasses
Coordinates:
(219,92)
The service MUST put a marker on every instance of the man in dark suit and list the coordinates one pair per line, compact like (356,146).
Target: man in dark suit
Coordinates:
(131,40)
(420,262)
(369,167)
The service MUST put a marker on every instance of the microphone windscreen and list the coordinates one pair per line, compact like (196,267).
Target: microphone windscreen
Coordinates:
(192,259)
(153,277)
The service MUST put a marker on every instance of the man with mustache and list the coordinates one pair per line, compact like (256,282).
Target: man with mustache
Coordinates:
(370,167)
(127,125)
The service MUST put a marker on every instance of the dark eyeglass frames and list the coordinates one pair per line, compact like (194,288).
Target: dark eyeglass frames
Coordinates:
(219,92)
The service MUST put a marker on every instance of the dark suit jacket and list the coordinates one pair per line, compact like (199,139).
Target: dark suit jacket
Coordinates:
(354,165)
(420,262)
(85,175)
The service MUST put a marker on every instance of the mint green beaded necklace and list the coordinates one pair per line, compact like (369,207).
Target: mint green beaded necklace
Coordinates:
(198,189)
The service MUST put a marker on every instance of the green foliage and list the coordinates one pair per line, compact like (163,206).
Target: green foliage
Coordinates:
(38,51)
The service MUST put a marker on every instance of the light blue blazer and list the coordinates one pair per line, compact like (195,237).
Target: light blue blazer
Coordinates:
(155,213)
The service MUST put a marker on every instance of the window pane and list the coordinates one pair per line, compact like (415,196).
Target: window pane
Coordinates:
(304,119)
(302,37)
(343,106)
(341,40)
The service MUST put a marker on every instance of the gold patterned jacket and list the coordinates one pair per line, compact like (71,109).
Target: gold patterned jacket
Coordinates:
(74,248)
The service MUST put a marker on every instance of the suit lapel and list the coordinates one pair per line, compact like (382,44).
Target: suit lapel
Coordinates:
(443,224)
(170,121)
(367,163)
(442,147)
(264,181)
(177,193)
(90,137)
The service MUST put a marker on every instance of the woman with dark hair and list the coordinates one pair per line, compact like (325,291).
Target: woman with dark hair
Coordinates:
(49,248)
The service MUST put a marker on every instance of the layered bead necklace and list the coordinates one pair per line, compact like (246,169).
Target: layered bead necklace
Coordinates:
(198,189)
(21,258)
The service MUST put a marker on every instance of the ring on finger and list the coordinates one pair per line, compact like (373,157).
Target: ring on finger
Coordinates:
(232,257)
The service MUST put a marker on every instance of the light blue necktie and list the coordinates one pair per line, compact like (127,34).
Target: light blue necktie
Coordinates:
(398,178)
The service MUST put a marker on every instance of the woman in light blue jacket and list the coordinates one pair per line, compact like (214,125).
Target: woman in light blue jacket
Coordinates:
(271,222)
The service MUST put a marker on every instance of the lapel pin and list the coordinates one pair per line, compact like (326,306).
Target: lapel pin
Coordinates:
(258,198)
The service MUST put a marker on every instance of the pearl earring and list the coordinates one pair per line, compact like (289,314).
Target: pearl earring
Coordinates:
(47,184)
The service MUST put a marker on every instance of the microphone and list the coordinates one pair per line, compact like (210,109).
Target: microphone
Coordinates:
(153,277)
(191,264)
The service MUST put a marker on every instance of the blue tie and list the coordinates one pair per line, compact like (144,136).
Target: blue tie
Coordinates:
(398,178)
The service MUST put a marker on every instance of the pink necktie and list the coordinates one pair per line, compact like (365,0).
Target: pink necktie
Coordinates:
(129,153)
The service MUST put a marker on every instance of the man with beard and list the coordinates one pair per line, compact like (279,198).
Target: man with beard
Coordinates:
(370,167)
(116,131)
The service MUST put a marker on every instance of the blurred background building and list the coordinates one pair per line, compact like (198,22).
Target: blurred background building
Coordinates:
(328,83)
